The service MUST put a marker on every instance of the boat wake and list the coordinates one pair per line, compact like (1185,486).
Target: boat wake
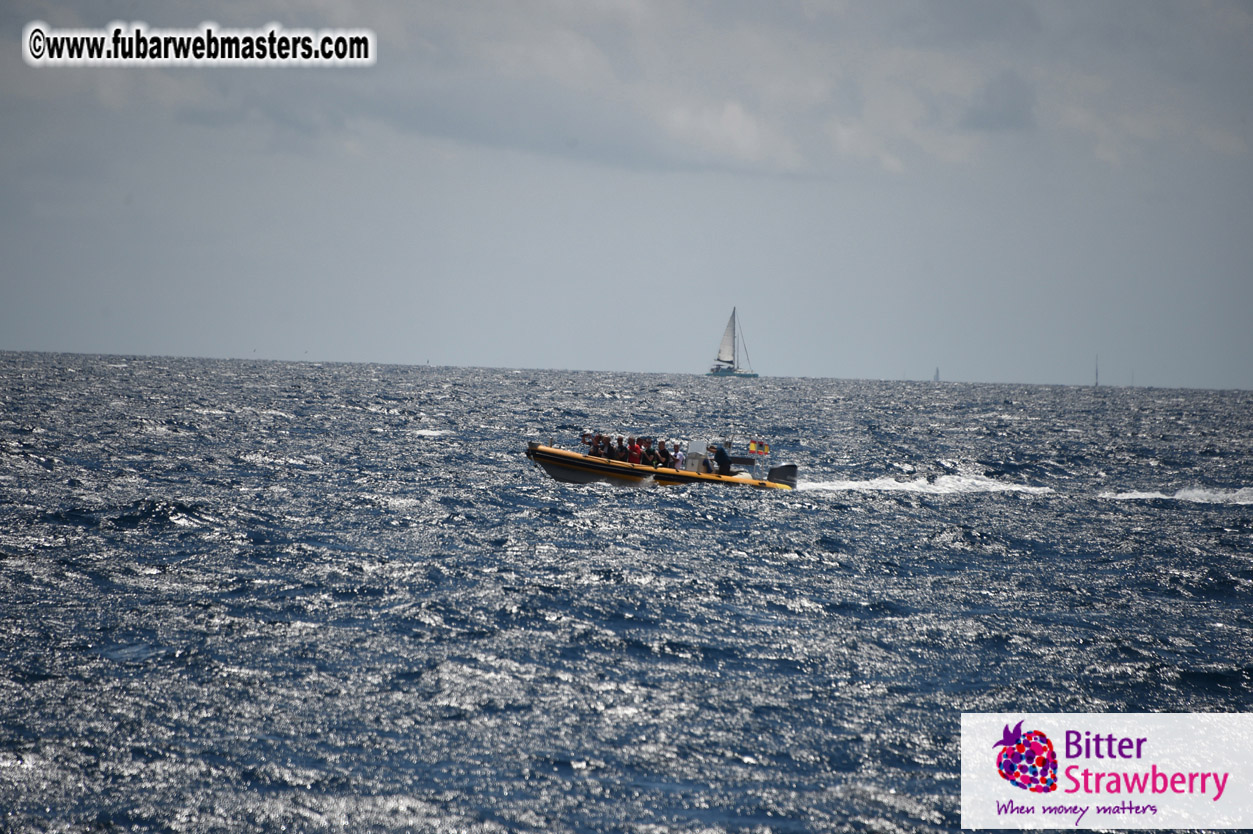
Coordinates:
(1193,495)
(941,485)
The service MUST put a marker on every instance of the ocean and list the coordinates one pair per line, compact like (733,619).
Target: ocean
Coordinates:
(248,596)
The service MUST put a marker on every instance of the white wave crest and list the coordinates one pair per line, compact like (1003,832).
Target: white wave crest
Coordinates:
(943,485)
(1193,495)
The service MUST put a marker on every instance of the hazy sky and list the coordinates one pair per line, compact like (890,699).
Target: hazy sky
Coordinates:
(1001,189)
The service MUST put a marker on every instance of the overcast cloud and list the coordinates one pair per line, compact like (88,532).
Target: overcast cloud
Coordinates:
(1004,190)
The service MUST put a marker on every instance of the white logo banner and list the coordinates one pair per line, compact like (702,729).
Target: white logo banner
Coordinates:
(1093,770)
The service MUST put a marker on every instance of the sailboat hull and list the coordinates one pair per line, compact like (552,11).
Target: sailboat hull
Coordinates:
(732,372)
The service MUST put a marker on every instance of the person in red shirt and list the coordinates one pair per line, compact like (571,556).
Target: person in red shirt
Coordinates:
(633,451)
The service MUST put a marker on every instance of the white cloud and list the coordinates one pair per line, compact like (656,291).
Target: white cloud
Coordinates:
(728,132)
(853,139)
(559,55)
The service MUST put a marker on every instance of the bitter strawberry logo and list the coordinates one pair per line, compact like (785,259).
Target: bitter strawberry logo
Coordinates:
(1027,760)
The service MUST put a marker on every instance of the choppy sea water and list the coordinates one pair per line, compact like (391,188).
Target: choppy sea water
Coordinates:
(262,596)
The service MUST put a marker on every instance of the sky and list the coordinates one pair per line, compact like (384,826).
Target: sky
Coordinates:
(1002,190)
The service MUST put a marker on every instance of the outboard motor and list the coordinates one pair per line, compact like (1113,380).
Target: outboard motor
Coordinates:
(785,474)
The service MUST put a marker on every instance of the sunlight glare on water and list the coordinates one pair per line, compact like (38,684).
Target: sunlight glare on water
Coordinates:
(241,596)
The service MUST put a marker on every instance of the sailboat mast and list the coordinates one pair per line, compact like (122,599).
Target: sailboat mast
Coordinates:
(748,360)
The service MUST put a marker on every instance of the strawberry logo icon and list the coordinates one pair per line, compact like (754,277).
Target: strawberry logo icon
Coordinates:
(1027,760)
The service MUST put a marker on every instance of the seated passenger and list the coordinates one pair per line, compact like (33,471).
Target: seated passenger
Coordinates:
(723,460)
(633,451)
(680,459)
(620,452)
(648,457)
(663,456)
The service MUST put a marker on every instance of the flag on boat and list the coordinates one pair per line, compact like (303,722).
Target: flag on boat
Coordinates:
(758,447)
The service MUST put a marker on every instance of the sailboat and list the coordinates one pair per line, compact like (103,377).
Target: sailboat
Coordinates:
(727,362)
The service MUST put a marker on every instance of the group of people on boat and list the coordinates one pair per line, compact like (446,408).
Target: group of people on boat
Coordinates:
(641,451)
(635,450)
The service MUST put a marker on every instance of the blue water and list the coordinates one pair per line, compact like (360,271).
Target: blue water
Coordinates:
(255,596)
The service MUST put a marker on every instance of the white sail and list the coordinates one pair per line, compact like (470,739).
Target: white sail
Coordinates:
(726,350)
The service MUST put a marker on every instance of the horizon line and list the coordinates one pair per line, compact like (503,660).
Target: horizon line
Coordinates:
(427,364)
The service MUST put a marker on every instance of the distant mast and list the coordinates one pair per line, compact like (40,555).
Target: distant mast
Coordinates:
(936,378)
(1096,380)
